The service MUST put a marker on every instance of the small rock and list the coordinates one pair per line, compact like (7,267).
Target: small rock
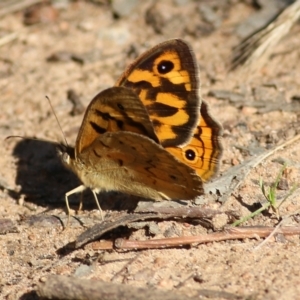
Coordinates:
(166,19)
(123,8)
(6,226)
(144,274)
(219,221)
(43,221)
(226,95)
(248,111)
(86,26)
(40,13)
(283,184)
(113,37)
(182,2)
(209,15)
(61,4)
(154,228)
(84,270)
(166,284)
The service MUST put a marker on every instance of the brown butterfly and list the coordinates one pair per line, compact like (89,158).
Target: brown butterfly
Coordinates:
(149,135)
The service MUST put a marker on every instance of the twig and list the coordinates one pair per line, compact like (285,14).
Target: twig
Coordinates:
(275,230)
(71,288)
(279,147)
(19,5)
(107,225)
(8,38)
(284,218)
(125,267)
(230,234)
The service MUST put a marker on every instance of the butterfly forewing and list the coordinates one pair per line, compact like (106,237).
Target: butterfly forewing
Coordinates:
(166,78)
(114,109)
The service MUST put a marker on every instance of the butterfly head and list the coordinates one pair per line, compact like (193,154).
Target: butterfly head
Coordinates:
(66,154)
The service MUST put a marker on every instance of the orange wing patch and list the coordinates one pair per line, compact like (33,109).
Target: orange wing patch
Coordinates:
(204,151)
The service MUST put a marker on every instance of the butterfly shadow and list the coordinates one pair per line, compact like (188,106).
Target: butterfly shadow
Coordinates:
(43,180)
(41,176)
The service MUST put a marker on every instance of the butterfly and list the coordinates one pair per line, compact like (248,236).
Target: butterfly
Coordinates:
(150,135)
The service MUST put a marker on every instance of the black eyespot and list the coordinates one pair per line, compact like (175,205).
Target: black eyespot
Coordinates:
(165,66)
(190,155)
(120,106)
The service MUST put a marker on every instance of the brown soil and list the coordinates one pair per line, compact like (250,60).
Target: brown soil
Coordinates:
(98,46)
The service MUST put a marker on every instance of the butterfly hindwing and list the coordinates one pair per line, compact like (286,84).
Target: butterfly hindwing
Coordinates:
(132,163)
(203,153)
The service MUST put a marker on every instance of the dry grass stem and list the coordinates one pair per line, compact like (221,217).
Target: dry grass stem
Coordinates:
(254,52)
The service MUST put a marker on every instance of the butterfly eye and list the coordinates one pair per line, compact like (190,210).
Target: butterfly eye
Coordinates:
(65,158)
(190,155)
(165,66)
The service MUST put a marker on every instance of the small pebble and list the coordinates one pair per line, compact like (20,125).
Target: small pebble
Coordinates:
(123,8)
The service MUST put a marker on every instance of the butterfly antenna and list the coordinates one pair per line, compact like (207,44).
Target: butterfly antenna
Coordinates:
(53,111)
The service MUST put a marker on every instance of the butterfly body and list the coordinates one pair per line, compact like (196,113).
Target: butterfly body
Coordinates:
(150,135)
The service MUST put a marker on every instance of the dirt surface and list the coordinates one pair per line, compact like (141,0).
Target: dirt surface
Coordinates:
(93,43)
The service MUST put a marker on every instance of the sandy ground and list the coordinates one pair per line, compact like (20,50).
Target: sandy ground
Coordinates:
(98,44)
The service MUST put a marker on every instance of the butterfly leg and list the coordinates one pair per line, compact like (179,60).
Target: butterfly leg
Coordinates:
(80,202)
(80,188)
(97,202)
